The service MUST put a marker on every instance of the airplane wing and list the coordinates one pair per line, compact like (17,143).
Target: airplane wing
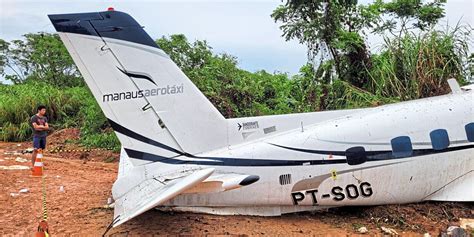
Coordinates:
(151,193)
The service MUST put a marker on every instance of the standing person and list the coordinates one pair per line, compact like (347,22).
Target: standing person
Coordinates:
(40,126)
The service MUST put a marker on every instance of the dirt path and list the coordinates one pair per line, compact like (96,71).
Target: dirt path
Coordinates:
(80,208)
(76,210)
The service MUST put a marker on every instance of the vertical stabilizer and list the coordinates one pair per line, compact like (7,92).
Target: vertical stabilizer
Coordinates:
(151,104)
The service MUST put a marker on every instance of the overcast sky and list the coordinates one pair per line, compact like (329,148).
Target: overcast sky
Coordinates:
(241,28)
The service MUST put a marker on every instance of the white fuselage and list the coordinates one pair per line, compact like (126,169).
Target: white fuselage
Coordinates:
(442,175)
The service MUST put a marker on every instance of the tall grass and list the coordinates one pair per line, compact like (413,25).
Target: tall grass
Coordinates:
(66,107)
(417,66)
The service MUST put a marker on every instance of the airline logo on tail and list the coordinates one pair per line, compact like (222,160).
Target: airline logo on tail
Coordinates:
(168,90)
(138,75)
(159,91)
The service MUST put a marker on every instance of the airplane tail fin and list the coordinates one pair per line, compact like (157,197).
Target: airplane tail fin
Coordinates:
(150,103)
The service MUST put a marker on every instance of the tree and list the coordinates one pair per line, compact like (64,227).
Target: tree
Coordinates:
(235,92)
(3,59)
(401,16)
(40,56)
(332,30)
(336,29)
(188,56)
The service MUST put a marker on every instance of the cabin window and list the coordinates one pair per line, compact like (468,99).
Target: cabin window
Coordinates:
(401,147)
(285,179)
(439,139)
(470,131)
(356,155)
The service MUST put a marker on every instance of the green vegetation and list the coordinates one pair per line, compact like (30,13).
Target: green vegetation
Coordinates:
(414,62)
(417,66)
(66,107)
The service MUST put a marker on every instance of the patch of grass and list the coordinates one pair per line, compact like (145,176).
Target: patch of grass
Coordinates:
(357,226)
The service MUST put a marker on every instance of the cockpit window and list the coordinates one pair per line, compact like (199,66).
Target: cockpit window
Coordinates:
(470,131)
(439,139)
(402,147)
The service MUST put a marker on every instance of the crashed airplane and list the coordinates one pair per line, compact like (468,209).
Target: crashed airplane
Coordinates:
(179,153)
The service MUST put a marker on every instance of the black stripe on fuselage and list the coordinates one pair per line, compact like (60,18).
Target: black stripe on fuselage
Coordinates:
(129,133)
(377,155)
(227,161)
(230,161)
(153,157)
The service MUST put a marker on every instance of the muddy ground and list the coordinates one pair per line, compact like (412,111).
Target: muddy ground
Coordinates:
(86,177)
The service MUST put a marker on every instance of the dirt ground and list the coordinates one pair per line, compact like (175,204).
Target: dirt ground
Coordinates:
(79,209)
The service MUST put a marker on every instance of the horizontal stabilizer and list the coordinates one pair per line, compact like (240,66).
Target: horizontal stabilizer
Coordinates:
(151,193)
(454,86)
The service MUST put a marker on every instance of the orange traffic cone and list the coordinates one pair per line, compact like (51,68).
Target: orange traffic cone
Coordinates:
(38,166)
